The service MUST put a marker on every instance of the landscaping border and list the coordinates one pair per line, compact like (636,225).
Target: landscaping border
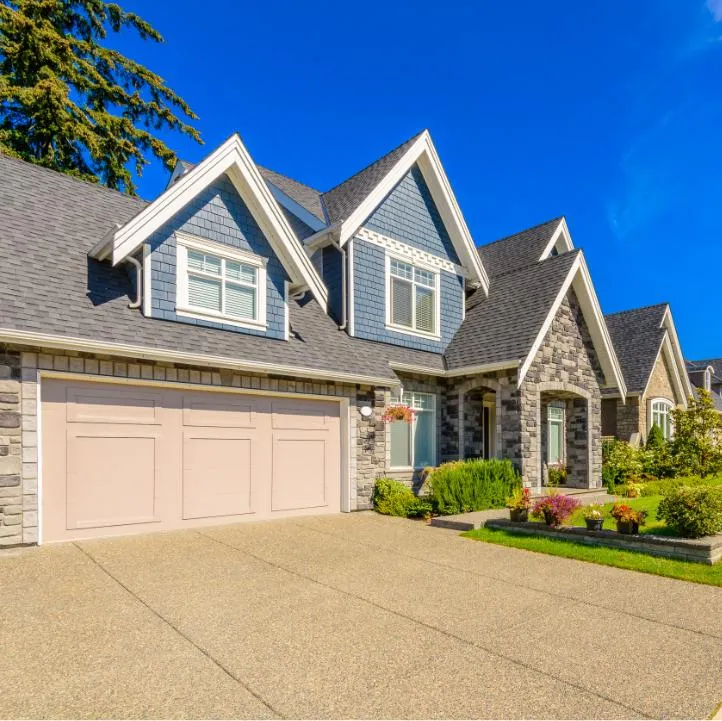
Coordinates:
(701,550)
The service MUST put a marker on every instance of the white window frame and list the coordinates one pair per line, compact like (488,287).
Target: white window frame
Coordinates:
(409,400)
(390,325)
(562,436)
(184,243)
(669,405)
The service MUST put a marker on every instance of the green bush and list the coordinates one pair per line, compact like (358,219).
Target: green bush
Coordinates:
(393,498)
(655,439)
(697,443)
(662,486)
(692,512)
(620,461)
(474,485)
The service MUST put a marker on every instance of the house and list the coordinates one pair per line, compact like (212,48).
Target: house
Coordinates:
(228,350)
(647,346)
(707,374)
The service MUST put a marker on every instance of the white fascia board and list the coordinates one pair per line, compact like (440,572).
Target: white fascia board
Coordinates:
(561,240)
(305,216)
(676,348)
(456,372)
(423,152)
(84,345)
(231,158)
(579,279)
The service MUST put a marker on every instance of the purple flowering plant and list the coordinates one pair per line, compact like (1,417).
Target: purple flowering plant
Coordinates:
(555,508)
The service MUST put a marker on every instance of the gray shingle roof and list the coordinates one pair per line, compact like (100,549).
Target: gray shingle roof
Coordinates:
(516,251)
(504,325)
(49,221)
(306,196)
(637,335)
(342,200)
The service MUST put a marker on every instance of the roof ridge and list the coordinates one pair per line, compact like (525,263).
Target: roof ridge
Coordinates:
(641,307)
(74,178)
(519,232)
(372,163)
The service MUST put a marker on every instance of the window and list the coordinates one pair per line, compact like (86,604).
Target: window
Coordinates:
(661,416)
(555,434)
(220,284)
(413,445)
(412,298)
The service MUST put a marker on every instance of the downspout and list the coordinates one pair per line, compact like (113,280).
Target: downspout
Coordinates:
(344,282)
(138,282)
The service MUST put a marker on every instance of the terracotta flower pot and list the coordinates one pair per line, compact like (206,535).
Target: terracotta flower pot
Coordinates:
(519,515)
(594,524)
(631,528)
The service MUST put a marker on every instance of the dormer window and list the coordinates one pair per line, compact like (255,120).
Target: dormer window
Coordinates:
(219,283)
(412,298)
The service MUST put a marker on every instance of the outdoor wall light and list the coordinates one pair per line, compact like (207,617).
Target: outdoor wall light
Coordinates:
(365,411)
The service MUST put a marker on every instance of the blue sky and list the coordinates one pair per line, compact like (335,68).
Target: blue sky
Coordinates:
(606,111)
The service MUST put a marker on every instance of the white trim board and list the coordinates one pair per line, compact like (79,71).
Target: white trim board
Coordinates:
(561,240)
(233,159)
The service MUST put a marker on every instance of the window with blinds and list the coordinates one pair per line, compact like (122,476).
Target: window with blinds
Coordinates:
(413,297)
(413,445)
(219,286)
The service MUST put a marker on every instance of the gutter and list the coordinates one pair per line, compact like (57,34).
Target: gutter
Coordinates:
(138,282)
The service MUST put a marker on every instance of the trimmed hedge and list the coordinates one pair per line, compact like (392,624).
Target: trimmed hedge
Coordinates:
(474,485)
(393,498)
(665,485)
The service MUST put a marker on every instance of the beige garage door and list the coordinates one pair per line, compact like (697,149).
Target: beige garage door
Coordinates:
(121,459)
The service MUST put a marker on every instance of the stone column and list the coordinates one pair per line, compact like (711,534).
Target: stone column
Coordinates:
(11,491)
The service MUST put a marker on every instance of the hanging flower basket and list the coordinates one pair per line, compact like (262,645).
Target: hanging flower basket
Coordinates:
(398,413)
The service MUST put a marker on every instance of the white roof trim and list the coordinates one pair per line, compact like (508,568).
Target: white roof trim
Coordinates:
(580,281)
(292,206)
(561,240)
(233,159)
(676,351)
(46,340)
(422,151)
(665,347)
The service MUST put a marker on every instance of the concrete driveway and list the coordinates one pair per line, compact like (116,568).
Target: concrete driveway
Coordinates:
(346,616)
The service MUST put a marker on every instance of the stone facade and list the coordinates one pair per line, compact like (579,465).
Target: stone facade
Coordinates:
(19,373)
(632,422)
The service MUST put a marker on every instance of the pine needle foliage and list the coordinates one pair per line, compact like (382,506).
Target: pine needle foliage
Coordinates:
(70,103)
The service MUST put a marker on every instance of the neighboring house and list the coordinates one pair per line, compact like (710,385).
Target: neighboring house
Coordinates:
(707,374)
(227,351)
(646,343)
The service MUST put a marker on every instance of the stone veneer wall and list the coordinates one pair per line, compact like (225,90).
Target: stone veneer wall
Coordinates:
(628,421)
(19,369)
(566,362)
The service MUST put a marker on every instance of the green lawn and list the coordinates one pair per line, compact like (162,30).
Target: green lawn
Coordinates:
(646,503)
(684,570)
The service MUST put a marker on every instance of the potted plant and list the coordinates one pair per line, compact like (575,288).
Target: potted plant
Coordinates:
(519,505)
(628,519)
(594,516)
(398,412)
(557,475)
(555,508)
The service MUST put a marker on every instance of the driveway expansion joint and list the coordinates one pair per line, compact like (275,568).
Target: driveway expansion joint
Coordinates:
(448,634)
(177,630)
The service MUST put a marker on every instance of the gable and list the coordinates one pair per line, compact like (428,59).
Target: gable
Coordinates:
(219,215)
(409,214)
(660,381)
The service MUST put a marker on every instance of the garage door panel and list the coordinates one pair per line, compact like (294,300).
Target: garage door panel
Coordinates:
(112,405)
(299,474)
(297,415)
(218,476)
(111,481)
(220,411)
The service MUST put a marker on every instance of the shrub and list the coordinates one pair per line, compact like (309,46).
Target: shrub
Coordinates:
(473,485)
(655,439)
(657,459)
(393,498)
(555,508)
(663,486)
(557,475)
(622,461)
(692,512)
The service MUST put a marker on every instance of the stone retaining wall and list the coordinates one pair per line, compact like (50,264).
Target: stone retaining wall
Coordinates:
(701,550)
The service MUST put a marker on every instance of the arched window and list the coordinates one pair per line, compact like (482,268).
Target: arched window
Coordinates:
(662,416)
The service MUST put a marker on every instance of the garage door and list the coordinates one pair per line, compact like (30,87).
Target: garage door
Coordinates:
(121,459)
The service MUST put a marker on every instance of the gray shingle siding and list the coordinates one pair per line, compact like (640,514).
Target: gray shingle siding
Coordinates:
(370,302)
(409,214)
(218,214)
